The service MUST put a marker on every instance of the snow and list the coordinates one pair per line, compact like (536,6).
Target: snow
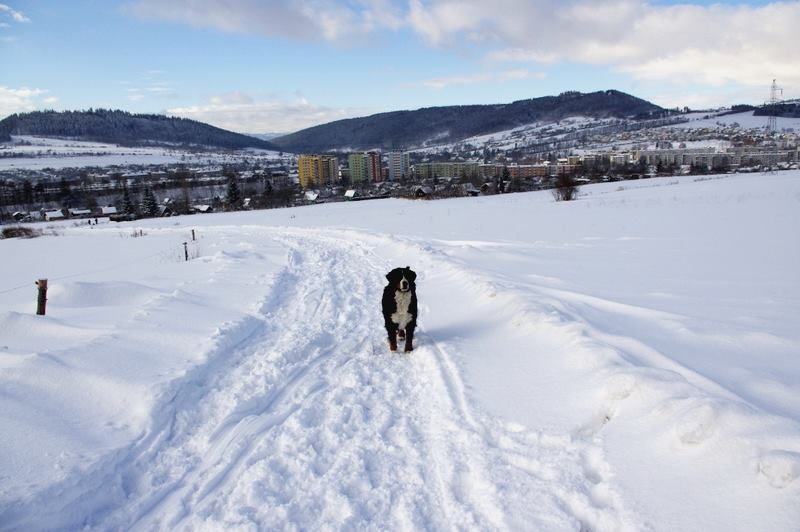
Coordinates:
(745,120)
(626,361)
(37,153)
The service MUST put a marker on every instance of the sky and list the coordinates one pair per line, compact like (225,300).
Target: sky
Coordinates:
(280,66)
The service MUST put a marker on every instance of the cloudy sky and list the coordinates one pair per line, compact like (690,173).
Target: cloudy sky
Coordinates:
(281,65)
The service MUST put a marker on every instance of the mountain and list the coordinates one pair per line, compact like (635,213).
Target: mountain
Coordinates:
(405,129)
(120,127)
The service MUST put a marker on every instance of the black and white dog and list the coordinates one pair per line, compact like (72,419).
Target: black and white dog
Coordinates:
(400,307)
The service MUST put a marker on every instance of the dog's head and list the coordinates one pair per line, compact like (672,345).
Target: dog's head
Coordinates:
(402,279)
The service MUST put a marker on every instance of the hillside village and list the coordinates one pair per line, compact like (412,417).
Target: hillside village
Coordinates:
(522,159)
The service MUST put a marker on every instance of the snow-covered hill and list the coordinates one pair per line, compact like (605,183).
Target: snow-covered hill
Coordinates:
(27,152)
(627,361)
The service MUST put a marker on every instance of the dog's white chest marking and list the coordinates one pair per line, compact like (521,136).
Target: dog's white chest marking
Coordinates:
(401,317)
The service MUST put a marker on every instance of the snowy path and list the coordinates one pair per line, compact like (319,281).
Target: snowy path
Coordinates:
(307,420)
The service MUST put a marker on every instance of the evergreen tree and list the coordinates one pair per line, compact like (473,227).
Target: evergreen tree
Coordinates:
(127,204)
(27,193)
(64,190)
(149,204)
(233,197)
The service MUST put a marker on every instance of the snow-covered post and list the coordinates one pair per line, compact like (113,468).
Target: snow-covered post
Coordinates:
(186,251)
(193,239)
(41,301)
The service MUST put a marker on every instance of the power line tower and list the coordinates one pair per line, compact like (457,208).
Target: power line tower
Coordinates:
(772,123)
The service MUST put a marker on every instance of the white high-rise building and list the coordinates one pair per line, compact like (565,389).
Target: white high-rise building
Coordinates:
(399,165)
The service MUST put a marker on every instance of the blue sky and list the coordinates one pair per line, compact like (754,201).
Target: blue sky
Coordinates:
(276,66)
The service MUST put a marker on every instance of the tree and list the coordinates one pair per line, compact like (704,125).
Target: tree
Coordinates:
(233,197)
(27,193)
(566,188)
(149,203)
(64,190)
(127,204)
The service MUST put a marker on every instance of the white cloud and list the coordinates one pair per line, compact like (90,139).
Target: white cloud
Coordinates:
(711,45)
(295,19)
(20,100)
(680,43)
(481,77)
(15,15)
(237,111)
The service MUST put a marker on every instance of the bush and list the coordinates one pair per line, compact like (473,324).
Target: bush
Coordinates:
(566,188)
(19,232)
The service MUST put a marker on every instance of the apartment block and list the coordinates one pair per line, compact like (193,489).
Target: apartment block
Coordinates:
(365,167)
(356,162)
(317,170)
(447,170)
(399,165)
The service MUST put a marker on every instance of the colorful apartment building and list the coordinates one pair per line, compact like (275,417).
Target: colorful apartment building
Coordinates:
(317,170)
(365,167)
(357,166)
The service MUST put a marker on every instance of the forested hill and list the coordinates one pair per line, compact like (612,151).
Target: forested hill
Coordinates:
(120,127)
(448,124)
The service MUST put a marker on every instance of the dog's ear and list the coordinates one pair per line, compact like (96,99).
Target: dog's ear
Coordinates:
(410,274)
(394,275)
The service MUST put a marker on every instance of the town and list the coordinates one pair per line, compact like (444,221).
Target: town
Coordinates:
(524,159)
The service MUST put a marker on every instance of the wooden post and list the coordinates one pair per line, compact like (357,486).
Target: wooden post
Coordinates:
(192,235)
(41,301)
(186,251)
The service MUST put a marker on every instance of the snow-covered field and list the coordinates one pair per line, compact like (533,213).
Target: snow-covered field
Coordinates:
(37,153)
(627,361)
(745,120)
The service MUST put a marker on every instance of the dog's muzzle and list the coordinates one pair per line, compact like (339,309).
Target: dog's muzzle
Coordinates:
(404,286)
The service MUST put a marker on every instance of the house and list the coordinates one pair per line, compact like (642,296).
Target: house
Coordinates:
(350,194)
(164,210)
(78,213)
(19,216)
(53,215)
(108,211)
(202,208)
(423,192)
(311,196)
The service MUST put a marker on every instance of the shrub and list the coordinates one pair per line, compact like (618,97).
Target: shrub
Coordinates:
(566,188)
(19,232)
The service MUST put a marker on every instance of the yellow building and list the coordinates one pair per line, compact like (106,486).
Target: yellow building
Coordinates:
(317,170)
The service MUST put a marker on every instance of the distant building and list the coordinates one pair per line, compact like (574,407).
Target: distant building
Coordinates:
(356,163)
(447,170)
(372,161)
(365,166)
(316,170)
(399,165)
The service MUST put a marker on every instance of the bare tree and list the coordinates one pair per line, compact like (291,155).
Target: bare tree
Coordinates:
(566,188)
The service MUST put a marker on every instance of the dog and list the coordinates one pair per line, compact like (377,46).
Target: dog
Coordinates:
(400,307)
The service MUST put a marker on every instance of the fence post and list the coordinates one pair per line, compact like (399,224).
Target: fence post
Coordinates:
(41,301)
(186,251)
(192,235)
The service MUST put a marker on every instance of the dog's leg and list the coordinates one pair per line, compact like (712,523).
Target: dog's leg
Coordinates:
(409,338)
(401,334)
(392,331)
